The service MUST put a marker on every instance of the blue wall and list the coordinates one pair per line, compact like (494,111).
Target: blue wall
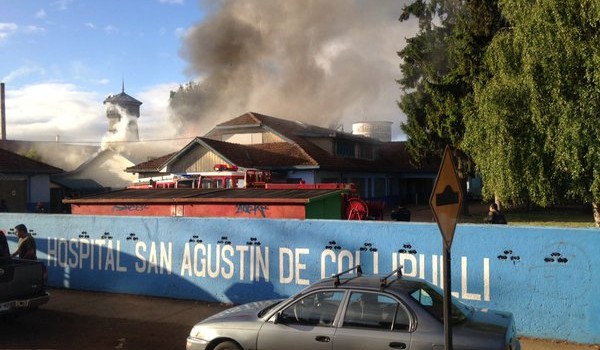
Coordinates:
(548,277)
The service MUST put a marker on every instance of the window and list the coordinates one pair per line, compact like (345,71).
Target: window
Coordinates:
(318,309)
(344,148)
(375,311)
(432,300)
(366,151)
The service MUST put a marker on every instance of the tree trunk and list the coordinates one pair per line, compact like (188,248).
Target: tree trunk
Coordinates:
(465,206)
(596,210)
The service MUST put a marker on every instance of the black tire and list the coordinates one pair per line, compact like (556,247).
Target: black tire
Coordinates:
(227,345)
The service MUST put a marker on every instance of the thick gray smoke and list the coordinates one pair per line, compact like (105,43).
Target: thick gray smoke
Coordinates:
(325,62)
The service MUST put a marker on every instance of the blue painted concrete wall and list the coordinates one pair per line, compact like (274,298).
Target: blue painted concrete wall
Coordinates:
(548,277)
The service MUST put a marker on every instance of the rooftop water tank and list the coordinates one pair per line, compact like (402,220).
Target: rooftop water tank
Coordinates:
(380,130)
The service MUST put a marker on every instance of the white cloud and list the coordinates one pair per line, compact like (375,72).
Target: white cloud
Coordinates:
(181,32)
(172,2)
(23,71)
(31,29)
(110,29)
(41,13)
(40,112)
(62,4)
(90,25)
(7,29)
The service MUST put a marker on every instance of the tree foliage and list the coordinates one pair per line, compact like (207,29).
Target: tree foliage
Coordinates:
(440,66)
(535,133)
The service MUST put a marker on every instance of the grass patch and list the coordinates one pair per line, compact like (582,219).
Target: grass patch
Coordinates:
(577,216)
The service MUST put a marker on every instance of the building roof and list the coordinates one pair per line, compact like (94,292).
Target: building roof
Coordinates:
(299,149)
(302,136)
(105,170)
(230,195)
(152,165)
(122,98)
(78,184)
(284,127)
(16,164)
(57,154)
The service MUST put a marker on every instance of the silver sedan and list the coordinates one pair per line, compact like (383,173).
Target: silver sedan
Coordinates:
(357,312)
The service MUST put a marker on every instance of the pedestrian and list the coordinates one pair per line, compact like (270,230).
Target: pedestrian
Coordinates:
(4,251)
(26,248)
(495,216)
(40,208)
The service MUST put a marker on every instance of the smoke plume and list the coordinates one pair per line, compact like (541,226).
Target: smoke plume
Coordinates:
(125,130)
(324,62)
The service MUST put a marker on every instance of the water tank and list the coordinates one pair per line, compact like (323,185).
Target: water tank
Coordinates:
(380,130)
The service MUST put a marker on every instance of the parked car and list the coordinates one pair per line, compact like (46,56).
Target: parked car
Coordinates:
(22,285)
(356,312)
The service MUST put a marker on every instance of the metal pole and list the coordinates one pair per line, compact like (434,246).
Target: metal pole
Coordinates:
(2,112)
(447,298)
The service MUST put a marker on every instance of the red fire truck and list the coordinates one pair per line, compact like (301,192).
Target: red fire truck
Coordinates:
(223,176)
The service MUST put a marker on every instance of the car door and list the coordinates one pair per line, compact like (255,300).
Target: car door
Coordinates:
(373,321)
(308,323)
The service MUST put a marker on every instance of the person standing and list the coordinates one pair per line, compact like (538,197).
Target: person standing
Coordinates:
(27,248)
(4,251)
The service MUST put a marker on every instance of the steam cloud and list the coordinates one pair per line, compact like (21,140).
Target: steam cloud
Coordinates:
(324,62)
(125,131)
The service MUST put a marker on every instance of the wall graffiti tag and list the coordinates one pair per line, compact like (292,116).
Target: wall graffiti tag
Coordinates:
(252,209)
(130,207)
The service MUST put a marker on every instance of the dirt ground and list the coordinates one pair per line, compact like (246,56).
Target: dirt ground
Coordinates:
(94,321)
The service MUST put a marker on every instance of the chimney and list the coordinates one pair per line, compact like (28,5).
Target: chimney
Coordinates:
(2,112)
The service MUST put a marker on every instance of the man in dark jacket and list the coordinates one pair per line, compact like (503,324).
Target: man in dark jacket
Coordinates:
(27,248)
(495,216)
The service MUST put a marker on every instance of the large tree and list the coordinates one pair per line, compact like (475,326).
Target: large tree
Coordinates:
(440,66)
(535,132)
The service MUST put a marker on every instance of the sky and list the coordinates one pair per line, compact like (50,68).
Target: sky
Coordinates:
(60,59)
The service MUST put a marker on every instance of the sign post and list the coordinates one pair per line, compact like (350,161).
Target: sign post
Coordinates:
(445,202)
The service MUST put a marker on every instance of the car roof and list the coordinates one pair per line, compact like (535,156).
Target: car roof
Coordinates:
(371,282)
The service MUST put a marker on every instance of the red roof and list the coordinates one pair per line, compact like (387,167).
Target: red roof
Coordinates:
(301,150)
(151,165)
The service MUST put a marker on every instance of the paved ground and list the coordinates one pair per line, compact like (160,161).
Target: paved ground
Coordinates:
(94,321)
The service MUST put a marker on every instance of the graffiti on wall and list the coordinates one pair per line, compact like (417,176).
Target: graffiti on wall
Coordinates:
(130,207)
(252,209)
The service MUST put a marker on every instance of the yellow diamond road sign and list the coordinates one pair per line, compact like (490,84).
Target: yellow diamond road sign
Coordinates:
(446,198)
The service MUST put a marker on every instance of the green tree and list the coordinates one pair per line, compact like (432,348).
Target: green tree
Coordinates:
(440,66)
(32,154)
(534,133)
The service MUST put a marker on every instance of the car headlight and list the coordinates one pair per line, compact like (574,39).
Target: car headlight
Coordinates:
(196,332)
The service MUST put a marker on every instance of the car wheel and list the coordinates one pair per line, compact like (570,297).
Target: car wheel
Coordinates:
(227,345)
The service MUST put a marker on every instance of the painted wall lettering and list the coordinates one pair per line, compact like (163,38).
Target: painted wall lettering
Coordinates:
(545,276)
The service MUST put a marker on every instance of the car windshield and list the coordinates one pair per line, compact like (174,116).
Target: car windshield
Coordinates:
(431,299)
